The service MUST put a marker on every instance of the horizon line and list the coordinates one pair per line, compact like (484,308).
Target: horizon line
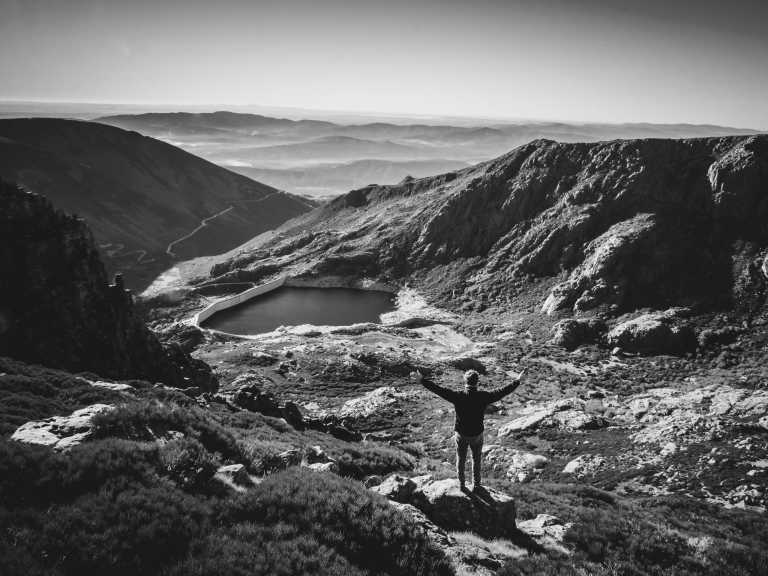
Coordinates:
(222,107)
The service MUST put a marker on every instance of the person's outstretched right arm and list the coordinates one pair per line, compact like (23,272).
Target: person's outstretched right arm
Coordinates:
(498,394)
(445,393)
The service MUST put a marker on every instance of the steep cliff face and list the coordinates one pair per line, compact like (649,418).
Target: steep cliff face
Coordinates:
(621,225)
(58,309)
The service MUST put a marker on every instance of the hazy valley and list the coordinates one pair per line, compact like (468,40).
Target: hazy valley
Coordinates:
(321,158)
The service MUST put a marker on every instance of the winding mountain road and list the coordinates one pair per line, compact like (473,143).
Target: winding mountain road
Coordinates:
(205,221)
(203,224)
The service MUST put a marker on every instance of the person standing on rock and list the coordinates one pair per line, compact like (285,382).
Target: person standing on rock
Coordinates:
(469,405)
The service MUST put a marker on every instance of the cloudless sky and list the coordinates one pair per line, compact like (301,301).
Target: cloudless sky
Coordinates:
(699,61)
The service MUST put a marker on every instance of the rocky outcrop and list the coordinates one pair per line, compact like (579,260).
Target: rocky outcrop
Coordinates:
(58,309)
(477,531)
(696,415)
(584,464)
(566,414)
(655,332)
(489,512)
(61,432)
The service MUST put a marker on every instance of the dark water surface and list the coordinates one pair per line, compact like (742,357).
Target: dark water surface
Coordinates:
(288,306)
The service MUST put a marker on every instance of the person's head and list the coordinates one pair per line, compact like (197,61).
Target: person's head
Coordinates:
(471,379)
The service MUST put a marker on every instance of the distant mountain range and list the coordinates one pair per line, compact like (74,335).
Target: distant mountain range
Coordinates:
(147,202)
(289,152)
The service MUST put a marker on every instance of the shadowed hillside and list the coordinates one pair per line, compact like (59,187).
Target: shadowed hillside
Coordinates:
(139,195)
(58,309)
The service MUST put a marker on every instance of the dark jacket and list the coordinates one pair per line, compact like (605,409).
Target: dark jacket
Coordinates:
(470,405)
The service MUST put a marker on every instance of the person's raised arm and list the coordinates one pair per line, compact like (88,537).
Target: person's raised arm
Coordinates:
(445,393)
(499,393)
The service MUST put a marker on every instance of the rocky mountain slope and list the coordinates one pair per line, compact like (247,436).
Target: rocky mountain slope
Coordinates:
(147,202)
(58,309)
(604,228)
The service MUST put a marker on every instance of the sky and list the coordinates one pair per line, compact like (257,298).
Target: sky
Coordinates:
(694,61)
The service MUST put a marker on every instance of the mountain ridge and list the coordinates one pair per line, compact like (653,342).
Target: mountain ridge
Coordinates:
(548,210)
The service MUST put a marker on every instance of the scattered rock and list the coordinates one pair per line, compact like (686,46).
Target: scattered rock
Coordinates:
(234,475)
(653,333)
(329,467)
(316,455)
(584,465)
(61,432)
(282,461)
(524,466)
(371,481)
(114,386)
(259,358)
(566,414)
(548,530)
(373,403)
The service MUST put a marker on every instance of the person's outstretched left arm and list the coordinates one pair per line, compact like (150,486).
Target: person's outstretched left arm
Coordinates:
(499,393)
(445,393)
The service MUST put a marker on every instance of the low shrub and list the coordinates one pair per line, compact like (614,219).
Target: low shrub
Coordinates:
(361,461)
(30,392)
(152,419)
(188,463)
(341,515)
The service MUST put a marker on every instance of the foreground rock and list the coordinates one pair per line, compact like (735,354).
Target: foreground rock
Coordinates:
(61,432)
(488,513)
(478,532)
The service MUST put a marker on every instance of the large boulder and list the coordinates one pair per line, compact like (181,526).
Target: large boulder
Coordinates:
(653,333)
(486,512)
(572,333)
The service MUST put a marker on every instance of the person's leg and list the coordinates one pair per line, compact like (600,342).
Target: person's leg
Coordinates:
(477,458)
(461,457)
